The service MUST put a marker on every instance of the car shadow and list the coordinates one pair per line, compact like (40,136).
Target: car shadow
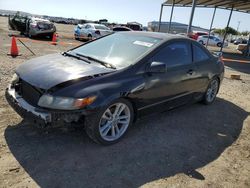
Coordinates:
(157,146)
(41,38)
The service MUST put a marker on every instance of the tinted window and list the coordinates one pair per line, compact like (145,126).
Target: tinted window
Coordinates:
(200,34)
(101,27)
(88,26)
(199,54)
(178,53)
(120,29)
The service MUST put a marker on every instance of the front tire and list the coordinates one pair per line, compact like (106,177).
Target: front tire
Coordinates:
(110,124)
(211,91)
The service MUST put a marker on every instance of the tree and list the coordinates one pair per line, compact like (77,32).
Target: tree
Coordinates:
(218,31)
(245,33)
(230,30)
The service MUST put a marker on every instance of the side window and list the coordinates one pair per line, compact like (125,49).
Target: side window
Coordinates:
(87,26)
(175,54)
(199,54)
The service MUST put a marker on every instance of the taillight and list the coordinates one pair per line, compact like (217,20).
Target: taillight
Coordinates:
(33,25)
(97,32)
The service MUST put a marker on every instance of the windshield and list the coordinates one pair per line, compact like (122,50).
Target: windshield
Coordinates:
(120,49)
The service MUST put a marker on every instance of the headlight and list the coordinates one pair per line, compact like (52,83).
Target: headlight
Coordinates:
(14,79)
(64,103)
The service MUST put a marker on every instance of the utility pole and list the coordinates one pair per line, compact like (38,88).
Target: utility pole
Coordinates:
(238,27)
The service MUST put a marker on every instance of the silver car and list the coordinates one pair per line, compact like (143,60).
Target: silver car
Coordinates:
(90,31)
(31,26)
(38,27)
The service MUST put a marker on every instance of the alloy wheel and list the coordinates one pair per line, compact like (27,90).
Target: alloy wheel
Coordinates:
(114,121)
(212,90)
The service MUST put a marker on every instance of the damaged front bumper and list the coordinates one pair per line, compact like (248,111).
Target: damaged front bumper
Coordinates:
(43,117)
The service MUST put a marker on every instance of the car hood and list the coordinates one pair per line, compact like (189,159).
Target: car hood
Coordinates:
(48,71)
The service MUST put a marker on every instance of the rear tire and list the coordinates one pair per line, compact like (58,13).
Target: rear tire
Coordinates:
(211,92)
(108,125)
(201,42)
(89,37)
(219,44)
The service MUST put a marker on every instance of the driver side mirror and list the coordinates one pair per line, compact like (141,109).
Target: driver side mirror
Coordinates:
(157,67)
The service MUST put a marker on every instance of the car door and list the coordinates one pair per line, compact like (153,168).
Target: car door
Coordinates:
(84,30)
(202,62)
(174,86)
(212,41)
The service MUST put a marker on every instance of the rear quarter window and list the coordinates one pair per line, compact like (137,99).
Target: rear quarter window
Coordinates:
(199,54)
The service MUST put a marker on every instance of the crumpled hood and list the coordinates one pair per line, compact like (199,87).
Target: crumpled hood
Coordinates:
(47,71)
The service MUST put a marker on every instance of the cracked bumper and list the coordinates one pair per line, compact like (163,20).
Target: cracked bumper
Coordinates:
(42,116)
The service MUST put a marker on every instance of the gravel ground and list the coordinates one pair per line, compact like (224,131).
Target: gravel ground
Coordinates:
(192,146)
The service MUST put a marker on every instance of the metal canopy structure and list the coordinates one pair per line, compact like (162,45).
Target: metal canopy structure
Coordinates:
(232,5)
(238,5)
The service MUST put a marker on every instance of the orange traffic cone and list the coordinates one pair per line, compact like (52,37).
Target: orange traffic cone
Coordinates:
(13,49)
(54,39)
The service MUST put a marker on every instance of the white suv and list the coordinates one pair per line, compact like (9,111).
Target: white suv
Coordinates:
(90,31)
(213,41)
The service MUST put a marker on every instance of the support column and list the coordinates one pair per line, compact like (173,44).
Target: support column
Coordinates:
(229,19)
(248,46)
(211,25)
(191,17)
(170,21)
(159,26)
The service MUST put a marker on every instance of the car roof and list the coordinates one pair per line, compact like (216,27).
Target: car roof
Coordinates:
(95,24)
(158,35)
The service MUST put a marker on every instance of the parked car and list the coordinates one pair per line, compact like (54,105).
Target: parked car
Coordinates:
(32,26)
(213,41)
(244,48)
(106,84)
(196,34)
(121,28)
(90,31)
(240,41)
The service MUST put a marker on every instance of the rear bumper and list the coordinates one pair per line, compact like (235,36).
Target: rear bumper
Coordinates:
(42,116)
(42,32)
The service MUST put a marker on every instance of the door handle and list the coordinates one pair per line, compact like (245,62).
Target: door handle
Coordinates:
(190,72)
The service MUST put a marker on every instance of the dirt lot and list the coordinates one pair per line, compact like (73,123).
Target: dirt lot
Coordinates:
(193,146)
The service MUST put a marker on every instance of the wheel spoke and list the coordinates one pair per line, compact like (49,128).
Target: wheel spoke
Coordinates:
(105,129)
(108,114)
(117,129)
(122,107)
(113,131)
(119,108)
(123,121)
(122,117)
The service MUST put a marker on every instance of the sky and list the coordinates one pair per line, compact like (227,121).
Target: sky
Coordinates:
(123,11)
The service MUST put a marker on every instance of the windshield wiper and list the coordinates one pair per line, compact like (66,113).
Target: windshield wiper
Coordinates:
(75,56)
(108,65)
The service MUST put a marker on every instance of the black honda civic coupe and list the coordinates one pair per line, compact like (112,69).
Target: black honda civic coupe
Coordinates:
(105,84)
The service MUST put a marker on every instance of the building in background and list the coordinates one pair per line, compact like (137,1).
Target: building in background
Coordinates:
(175,27)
